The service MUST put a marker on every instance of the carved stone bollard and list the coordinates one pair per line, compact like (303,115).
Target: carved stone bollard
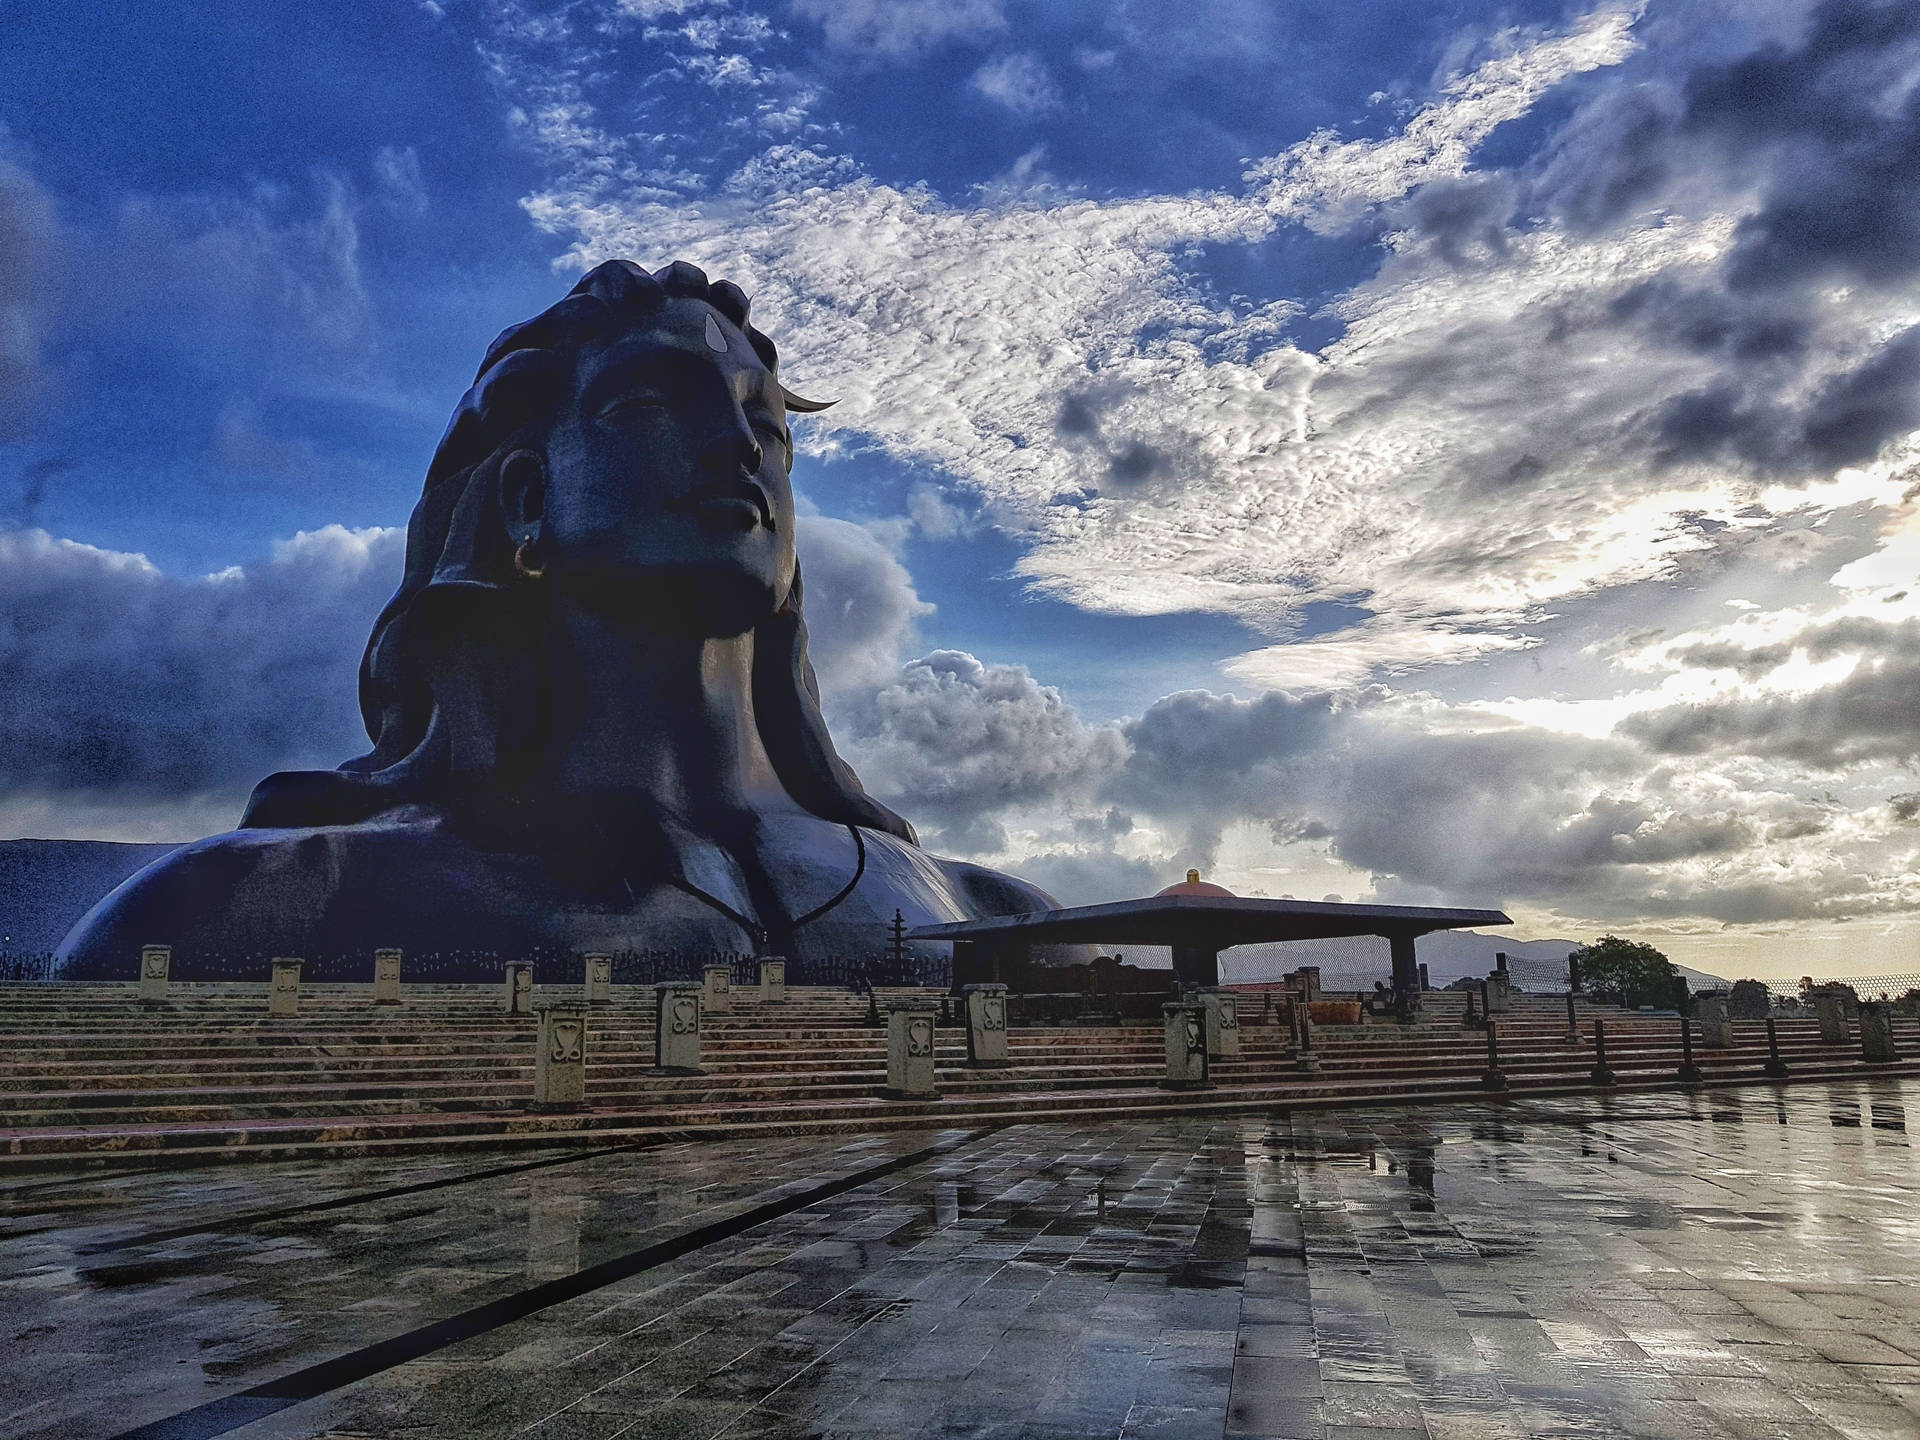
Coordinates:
(283,992)
(910,1057)
(1832,1010)
(717,997)
(987,1025)
(1310,982)
(1716,1026)
(1223,1022)
(1186,1046)
(599,979)
(560,1064)
(773,981)
(1499,992)
(155,962)
(676,1029)
(1876,1033)
(386,977)
(516,988)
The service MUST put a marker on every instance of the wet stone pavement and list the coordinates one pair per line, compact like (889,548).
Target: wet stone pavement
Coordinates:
(1737,1263)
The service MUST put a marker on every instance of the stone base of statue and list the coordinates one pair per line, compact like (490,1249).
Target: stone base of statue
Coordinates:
(910,1048)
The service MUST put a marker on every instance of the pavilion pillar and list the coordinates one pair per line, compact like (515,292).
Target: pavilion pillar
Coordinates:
(1406,974)
(1196,966)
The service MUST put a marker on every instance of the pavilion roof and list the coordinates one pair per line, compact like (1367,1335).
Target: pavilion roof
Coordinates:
(1207,922)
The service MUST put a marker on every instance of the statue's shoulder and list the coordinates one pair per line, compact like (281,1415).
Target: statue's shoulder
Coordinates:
(991,892)
(246,886)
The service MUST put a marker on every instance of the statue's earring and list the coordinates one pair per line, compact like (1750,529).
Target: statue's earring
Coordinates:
(527,561)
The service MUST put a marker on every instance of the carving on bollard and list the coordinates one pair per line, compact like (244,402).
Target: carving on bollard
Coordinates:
(676,1032)
(986,1009)
(283,994)
(516,988)
(155,962)
(386,977)
(910,1047)
(599,979)
(1186,1025)
(773,981)
(1222,1022)
(560,1068)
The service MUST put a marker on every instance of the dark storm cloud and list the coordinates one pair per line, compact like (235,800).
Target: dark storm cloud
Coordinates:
(1844,195)
(1829,125)
(1871,715)
(117,679)
(1858,412)
(1825,131)
(1463,222)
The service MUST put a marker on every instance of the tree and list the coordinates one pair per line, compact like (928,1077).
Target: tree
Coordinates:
(1627,967)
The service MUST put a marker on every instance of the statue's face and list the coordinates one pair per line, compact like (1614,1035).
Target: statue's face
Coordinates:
(667,480)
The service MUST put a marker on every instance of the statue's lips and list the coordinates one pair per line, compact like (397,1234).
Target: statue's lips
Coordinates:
(731,504)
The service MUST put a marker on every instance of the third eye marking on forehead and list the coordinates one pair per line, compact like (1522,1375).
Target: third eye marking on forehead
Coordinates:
(715,340)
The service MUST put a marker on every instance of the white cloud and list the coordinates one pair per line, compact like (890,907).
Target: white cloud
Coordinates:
(901,29)
(1019,81)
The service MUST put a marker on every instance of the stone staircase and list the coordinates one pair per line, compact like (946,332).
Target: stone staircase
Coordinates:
(90,1076)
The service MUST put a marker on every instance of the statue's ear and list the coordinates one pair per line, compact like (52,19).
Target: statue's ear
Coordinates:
(523,491)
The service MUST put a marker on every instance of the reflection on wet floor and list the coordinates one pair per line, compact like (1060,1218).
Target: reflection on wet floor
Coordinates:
(1688,1264)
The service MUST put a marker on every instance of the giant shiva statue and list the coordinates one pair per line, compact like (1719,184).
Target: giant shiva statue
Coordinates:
(595,726)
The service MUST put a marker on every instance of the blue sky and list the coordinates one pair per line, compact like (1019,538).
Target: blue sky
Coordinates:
(1430,452)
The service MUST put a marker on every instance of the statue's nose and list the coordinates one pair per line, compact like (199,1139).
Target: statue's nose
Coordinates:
(732,448)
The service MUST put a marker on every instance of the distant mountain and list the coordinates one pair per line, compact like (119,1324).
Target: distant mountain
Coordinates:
(46,885)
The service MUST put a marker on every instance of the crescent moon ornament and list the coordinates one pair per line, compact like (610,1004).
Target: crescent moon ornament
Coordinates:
(800,405)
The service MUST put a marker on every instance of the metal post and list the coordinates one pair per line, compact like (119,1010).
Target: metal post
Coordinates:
(1689,1072)
(1600,1074)
(1775,1068)
(1493,1079)
(1304,1058)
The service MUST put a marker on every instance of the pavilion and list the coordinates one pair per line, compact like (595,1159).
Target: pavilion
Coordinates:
(1197,920)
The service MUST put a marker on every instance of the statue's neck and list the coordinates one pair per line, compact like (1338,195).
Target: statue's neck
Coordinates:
(665,720)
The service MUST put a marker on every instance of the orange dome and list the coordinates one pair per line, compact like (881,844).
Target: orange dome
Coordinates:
(1194,885)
